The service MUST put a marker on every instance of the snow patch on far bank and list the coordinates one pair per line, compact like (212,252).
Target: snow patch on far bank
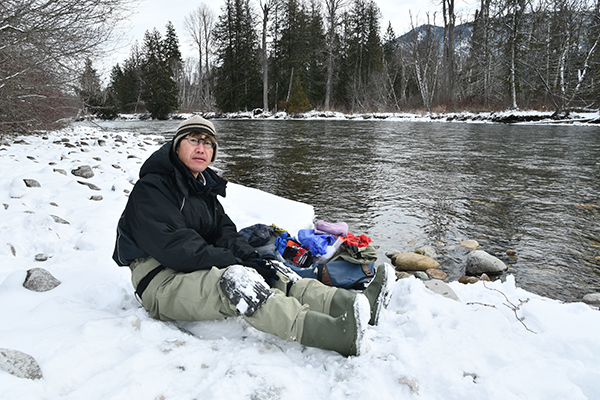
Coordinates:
(506,117)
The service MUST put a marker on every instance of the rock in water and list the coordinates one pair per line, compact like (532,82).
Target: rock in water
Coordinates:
(40,280)
(19,364)
(413,262)
(592,299)
(469,244)
(468,279)
(436,273)
(428,251)
(479,262)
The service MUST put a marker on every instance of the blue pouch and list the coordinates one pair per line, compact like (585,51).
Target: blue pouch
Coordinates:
(345,274)
(341,273)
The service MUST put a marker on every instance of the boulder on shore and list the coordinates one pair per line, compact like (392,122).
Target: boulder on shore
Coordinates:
(469,244)
(592,299)
(413,262)
(19,364)
(84,171)
(480,262)
(40,280)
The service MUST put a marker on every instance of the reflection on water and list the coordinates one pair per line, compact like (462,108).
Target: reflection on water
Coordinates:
(532,189)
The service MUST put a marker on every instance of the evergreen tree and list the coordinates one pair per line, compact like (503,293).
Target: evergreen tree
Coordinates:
(298,102)
(126,83)
(132,86)
(317,55)
(90,90)
(363,57)
(238,77)
(171,48)
(173,54)
(332,18)
(299,50)
(159,90)
(342,88)
(477,78)
(289,48)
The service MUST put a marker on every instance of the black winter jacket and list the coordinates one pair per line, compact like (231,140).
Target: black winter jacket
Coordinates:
(177,220)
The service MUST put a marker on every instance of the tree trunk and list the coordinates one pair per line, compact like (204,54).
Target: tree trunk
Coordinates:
(333,7)
(265,9)
(449,56)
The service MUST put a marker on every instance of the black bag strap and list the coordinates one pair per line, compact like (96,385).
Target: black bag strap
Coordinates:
(146,281)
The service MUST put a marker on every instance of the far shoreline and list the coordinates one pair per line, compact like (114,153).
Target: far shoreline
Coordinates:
(582,118)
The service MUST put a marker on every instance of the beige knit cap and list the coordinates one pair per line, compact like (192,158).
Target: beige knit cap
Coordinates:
(196,124)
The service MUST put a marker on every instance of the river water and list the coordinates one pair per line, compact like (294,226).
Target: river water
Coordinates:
(528,188)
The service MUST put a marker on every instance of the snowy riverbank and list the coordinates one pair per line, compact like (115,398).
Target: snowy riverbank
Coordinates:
(507,117)
(92,339)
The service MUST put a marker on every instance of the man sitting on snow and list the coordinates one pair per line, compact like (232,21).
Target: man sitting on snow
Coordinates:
(189,263)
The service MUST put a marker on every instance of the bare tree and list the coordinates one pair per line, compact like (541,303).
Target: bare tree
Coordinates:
(333,21)
(513,19)
(199,24)
(449,49)
(426,58)
(43,46)
(266,6)
(481,53)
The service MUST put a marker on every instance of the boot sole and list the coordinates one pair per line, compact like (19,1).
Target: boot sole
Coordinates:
(385,295)
(362,314)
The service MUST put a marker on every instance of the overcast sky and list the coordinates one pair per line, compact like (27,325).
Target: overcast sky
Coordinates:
(152,14)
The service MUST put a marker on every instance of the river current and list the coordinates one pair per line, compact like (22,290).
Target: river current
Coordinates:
(533,189)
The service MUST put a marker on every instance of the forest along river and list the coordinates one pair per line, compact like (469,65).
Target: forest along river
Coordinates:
(528,188)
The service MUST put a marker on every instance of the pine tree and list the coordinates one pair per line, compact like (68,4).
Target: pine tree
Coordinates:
(90,90)
(298,102)
(292,49)
(172,53)
(363,57)
(159,90)
(316,75)
(238,78)
(171,48)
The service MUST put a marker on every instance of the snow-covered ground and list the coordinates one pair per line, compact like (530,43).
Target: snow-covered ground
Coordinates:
(507,116)
(93,340)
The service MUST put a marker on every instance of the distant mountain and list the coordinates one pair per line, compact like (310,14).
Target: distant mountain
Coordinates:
(462,35)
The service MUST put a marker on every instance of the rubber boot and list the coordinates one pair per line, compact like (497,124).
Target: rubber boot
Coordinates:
(379,291)
(341,301)
(343,333)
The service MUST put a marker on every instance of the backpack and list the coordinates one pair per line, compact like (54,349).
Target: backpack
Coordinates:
(350,268)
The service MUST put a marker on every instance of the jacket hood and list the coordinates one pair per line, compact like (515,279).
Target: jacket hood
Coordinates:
(164,161)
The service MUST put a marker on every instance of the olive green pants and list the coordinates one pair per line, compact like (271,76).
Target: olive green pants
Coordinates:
(197,296)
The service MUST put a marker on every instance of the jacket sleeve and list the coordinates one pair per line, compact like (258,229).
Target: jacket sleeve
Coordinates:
(228,237)
(159,229)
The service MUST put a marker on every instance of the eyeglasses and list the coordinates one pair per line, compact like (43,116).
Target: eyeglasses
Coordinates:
(207,143)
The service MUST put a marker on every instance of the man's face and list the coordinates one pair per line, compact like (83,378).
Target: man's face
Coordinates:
(195,152)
